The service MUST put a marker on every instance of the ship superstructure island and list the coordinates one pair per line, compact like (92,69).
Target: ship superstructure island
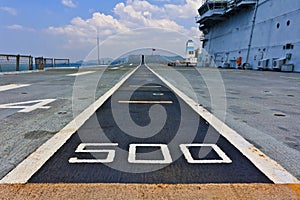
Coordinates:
(251,34)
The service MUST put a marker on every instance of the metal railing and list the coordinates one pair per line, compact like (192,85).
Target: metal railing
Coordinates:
(212,8)
(212,5)
(61,62)
(15,63)
(10,63)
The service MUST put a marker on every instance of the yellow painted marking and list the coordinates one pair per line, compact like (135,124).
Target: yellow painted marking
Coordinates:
(146,102)
(295,188)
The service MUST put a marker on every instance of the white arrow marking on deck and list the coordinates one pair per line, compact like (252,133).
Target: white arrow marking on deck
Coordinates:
(81,73)
(12,86)
(26,107)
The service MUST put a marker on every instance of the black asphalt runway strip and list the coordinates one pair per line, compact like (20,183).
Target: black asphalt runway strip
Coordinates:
(106,153)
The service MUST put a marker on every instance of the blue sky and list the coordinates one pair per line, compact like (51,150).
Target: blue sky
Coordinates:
(68,28)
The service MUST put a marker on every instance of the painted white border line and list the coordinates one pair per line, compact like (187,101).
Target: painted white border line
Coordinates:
(273,170)
(20,72)
(28,167)
(12,86)
(81,73)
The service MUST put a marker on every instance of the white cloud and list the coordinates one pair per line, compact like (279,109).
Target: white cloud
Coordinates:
(10,10)
(143,38)
(19,27)
(132,14)
(163,1)
(84,31)
(188,10)
(69,3)
(135,14)
(15,27)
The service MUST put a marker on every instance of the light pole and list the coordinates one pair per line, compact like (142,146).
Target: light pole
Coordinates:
(98,48)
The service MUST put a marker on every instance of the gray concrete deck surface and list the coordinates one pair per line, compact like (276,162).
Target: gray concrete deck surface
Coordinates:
(262,106)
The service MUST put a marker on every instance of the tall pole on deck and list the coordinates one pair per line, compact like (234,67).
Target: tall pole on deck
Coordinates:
(251,32)
(98,48)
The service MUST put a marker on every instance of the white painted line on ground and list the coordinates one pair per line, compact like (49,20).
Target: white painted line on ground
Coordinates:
(164,149)
(20,72)
(28,167)
(12,86)
(273,170)
(82,149)
(145,102)
(81,73)
(292,78)
(145,86)
(158,94)
(188,156)
(27,105)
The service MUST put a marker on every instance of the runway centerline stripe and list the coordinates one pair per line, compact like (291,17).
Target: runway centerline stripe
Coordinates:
(145,86)
(158,94)
(12,86)
(145,102)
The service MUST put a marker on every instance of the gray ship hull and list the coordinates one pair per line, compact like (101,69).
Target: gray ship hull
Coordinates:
(263,34)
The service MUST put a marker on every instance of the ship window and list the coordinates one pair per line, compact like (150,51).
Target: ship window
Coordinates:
(278,25)
(283,47)
(288,22)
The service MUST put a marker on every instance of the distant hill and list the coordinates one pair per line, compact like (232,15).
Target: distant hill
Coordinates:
(174,58)
(154,59)
(103,61)
(136,59)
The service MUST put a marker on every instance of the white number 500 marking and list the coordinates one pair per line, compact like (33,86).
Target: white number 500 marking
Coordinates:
(167,159)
